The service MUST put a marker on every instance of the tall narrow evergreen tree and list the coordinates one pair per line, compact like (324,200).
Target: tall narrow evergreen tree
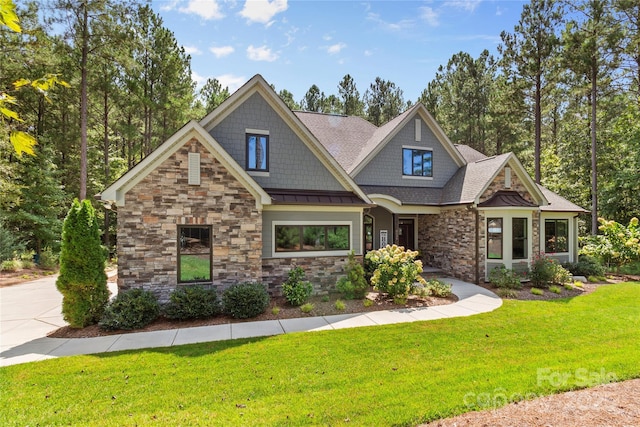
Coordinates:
(82,280)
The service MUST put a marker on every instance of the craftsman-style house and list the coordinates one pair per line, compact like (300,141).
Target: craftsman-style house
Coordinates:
(254,188)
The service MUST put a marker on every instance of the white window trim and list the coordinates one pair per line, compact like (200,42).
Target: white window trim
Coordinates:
(423,178)
(258,173)
(256,131)
(306,254)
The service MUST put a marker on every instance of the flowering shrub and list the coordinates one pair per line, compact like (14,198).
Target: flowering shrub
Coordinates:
(502,277)
(617,245)
(396,271)
(546,271)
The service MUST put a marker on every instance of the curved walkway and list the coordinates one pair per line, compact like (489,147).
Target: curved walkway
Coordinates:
(31,310)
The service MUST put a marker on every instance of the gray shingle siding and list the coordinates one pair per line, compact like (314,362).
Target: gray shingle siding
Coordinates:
(386,167)
(291,164)
(268,217)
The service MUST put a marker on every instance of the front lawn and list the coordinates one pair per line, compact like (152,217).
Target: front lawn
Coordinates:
(387,375)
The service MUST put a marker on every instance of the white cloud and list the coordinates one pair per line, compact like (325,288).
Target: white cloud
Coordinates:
(262,11)
(231,81)
(336,48)
(368,52)
(192,50)
(468,5)
(206,9)
(499,11)
(221,51)
(429,15)
(169,5)
(401,25)
(199,79)
(262,53)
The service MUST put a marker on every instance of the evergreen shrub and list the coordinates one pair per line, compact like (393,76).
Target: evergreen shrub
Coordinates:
(245,300)
(82,280)
(354,285)
(131,309)
(295,289)
(192,302)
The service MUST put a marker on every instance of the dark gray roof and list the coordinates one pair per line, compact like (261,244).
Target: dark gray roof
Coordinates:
(469,154)
(342,136)
(558,203)
(314,197)
(466,184)
(407,195)
(504,198)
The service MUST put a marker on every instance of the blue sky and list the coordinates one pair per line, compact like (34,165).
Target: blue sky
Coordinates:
(295,44)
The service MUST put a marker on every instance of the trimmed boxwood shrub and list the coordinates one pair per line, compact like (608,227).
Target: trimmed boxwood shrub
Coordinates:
(245,300)
(586,266)
(192,302)
(132,309)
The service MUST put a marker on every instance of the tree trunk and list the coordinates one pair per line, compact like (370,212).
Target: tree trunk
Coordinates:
(107,171)
(83,101)
(538,126)
(594,163)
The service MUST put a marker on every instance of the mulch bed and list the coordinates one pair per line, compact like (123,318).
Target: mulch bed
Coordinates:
(321,308)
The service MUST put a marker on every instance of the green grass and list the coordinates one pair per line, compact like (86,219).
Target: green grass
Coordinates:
(385,375)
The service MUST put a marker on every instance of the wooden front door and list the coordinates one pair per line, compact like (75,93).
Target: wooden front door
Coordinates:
(406,233)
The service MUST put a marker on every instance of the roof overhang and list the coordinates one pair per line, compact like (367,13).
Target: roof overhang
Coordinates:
(397,207)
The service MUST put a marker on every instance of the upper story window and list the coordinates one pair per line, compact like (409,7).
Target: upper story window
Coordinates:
(257,152)
(417,162)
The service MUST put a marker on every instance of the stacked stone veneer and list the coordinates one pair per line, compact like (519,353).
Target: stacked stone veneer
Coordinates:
(448,241)
(322,272)
(148,224)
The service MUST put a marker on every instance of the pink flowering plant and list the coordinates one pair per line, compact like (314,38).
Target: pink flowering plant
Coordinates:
(397,271)
(546,271)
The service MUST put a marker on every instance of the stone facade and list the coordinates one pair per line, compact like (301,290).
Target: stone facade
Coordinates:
(448,241)
(148,224)
(499,184)
(322,272)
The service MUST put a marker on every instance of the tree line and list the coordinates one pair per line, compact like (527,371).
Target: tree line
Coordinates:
(563,93)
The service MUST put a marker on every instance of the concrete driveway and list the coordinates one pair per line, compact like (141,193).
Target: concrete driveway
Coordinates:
(28,312)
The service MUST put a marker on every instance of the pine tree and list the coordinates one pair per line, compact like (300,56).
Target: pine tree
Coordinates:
(82,280)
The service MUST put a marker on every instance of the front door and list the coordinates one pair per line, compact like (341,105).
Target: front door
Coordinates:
(406,233)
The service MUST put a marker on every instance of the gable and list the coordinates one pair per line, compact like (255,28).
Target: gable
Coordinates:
(412,132)
(117,191)
(511,176)
(298,160)
(291,164)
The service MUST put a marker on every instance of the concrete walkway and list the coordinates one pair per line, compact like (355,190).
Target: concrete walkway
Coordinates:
(29,311)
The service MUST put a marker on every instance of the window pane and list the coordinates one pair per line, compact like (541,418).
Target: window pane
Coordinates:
(338,237)
(314,238)
(287,238)
(426,163)
(519,246)
(195,268)
(251,152)
(556,235)
(562,228)
(194,249)
(494,238)
(261,153)
(407,161)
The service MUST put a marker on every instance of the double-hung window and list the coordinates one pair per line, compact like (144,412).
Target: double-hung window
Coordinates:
(257,152)
(520,243)
(494,238)
(417,162)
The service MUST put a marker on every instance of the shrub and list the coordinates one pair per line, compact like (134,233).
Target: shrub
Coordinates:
(546,271)
(507,293)
(132,309)
(354,285)
(396,271)
(11,265)
(192,302)
(367,303)
(295,289)
(245,300)
(586,266)
(536,291)
(617,245)
(340,305)
(9,244)
(48,259)
(502,277)
(438,288)
(82,280)
(555,289)
(275,311)
(307,308)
